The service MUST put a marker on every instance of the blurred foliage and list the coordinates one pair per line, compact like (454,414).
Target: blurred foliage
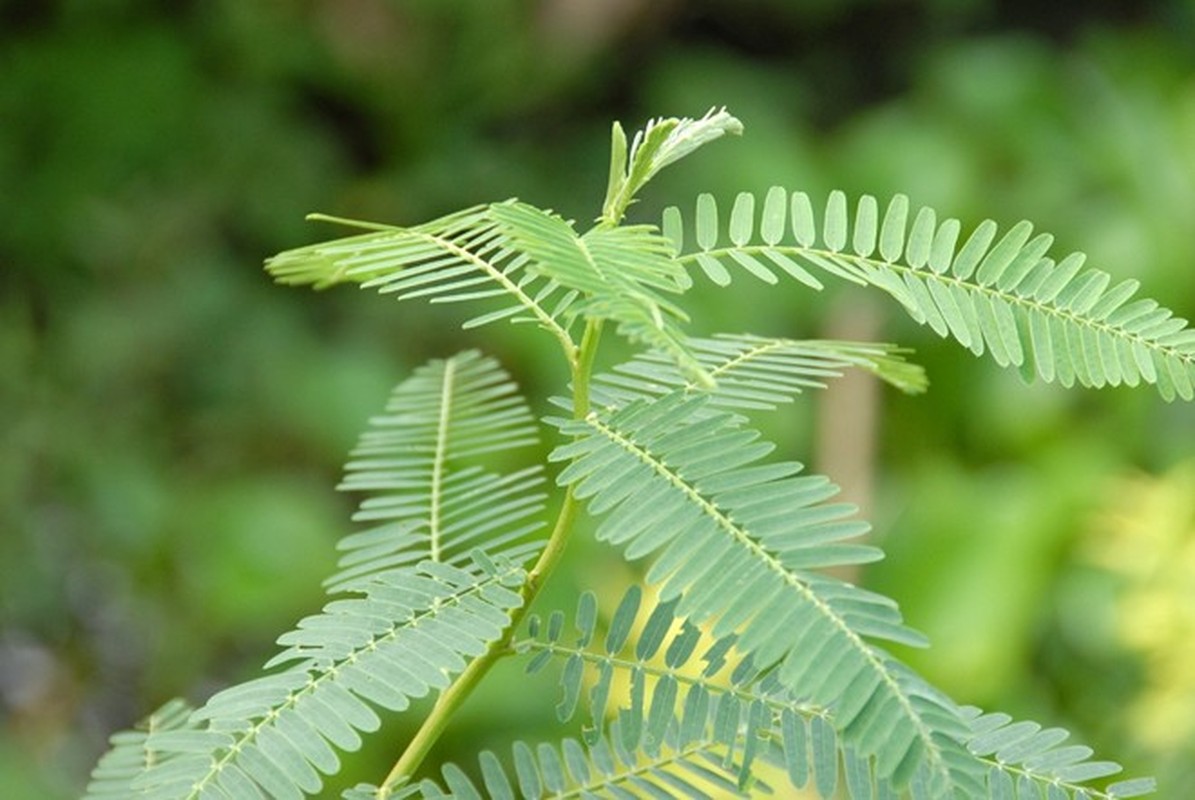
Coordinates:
(175,423)
(1137,568)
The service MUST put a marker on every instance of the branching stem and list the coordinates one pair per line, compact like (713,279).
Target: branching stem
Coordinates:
(456,694)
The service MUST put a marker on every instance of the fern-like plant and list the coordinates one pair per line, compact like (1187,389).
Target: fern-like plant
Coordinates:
(750,670)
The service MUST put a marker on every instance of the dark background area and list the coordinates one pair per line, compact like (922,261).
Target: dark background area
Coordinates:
(174,423)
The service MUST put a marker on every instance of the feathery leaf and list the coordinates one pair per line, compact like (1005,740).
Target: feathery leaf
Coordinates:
(754,372)
(131,755)
(1002,295)
(662,142)
(607,766)
(461,257)
(1023,753)
(735,542)
(418,462)
(420,596)
(617,272)
(407,635)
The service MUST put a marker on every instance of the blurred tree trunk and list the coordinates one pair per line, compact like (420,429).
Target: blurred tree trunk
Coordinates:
(848,412)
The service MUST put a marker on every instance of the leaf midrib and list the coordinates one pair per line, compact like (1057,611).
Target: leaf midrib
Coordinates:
(500,277)
(945,278)
(771,562)
(329,672)
(440,458)
(628,665)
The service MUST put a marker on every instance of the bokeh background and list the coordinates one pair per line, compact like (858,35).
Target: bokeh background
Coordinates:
(174,423)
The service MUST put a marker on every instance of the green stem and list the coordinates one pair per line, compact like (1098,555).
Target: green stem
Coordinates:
(584,367)
(456,694)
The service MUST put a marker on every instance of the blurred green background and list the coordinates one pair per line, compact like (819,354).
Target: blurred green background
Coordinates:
(174,424)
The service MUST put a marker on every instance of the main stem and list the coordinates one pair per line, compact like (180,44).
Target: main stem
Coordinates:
(456,694)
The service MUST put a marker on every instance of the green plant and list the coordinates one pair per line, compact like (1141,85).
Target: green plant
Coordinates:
(752,668)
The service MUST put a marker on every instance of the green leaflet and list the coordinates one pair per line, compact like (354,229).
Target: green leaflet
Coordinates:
(618,272)
(462,257)
(406,635)
(662,142)
(1026,754)
(418,596)
(605,766)
(782,728)
(429,496)
(704,702)
(665,637)
(131,755)
(734,542)
(754,372)
(1056,321)
(778,728)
